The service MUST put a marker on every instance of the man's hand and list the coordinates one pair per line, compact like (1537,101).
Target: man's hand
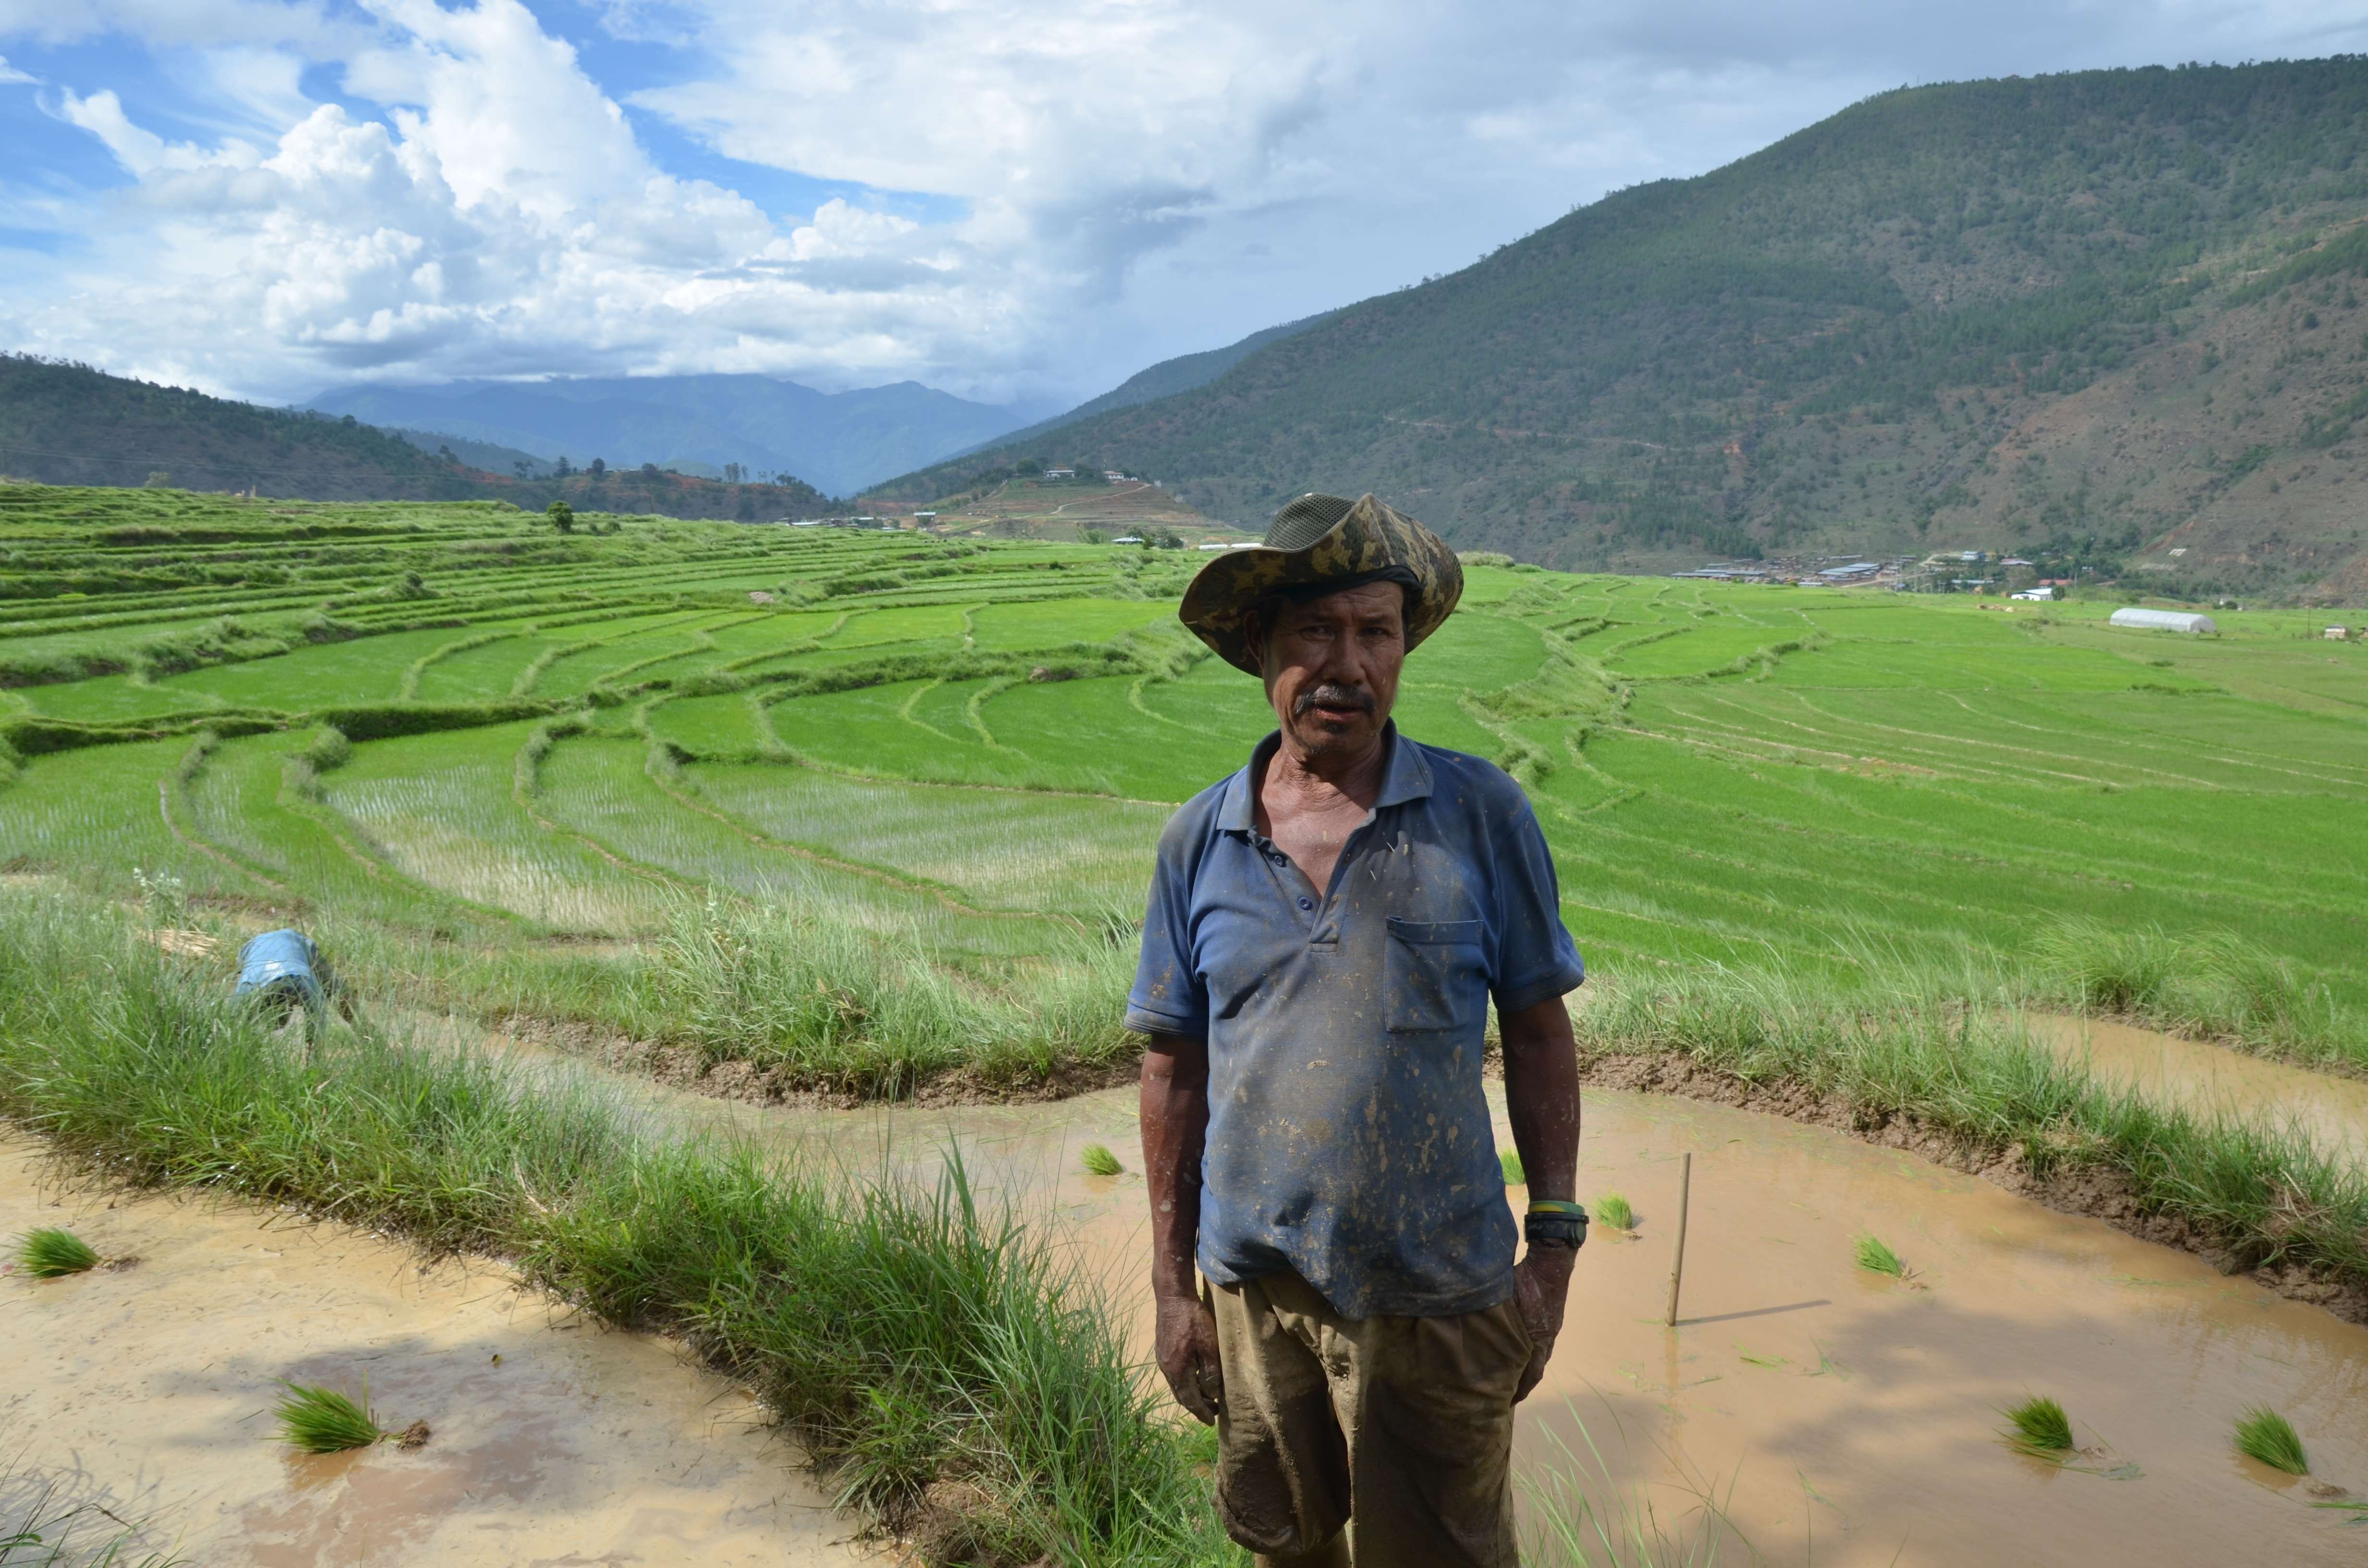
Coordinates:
(1541,1286)
(1175,1109)
(1187,1338)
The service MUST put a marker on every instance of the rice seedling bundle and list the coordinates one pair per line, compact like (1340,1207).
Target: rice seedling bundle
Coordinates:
(1874,1255)
(48,1252)
(2039,1427)
(2264,1435)
(323,1421)
(1613,1210)
(1098,1161)
(1510,1159)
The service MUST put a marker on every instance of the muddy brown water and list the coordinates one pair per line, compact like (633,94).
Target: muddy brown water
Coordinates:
(1838,1416)
(2214,1081)
(147,1391)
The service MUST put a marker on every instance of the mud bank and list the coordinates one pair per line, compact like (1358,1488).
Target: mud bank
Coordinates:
(147,1391)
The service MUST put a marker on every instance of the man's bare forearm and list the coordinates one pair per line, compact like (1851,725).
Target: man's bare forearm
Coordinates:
(1175,1115)
(1541,1096)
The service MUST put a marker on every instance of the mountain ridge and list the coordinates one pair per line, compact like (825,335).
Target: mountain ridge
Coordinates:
(838,442)
(1974,313)
(62,423)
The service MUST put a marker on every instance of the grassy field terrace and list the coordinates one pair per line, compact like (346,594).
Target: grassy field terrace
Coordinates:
(563,751)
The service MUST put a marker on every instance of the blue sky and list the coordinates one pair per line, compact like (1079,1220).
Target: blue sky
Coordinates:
(1014,203)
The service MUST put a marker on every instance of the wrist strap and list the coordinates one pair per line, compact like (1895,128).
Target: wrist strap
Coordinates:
(1556,1206)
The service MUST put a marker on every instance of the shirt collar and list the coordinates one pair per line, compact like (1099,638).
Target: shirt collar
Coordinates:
(1404,777)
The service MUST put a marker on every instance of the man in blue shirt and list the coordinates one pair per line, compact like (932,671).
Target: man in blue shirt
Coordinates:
(1327,928)
(284,971)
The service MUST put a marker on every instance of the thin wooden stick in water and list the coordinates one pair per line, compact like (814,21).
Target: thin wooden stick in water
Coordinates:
(1677,1263)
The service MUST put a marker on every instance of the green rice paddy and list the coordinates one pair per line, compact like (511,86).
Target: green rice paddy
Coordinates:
(980,742)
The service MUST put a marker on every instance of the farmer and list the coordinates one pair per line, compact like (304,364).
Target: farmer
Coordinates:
(1327,928)
(284,971)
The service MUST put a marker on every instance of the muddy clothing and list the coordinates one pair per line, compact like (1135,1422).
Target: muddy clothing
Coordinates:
(286,964)
(1411,1417)
(1348,1139)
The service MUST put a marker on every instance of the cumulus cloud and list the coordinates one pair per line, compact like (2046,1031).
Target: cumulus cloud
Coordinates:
(1033,198)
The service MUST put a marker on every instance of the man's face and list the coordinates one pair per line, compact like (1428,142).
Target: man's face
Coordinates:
(1331,667)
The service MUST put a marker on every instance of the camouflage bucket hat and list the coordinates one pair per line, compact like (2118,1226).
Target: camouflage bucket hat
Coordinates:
(1323,544)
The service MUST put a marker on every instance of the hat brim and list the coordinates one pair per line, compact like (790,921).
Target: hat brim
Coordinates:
(1372,537)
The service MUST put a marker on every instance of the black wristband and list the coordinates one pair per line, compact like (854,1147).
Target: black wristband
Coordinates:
(1555,1230)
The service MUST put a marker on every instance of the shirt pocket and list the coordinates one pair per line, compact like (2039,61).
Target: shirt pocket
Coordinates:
(1433,976)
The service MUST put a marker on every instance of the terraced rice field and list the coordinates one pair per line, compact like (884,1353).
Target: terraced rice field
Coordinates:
(1723,772)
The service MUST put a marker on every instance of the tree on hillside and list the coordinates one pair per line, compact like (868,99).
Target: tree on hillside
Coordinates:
(562,516)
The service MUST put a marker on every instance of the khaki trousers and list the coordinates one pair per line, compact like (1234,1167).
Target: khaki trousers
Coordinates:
(1404,1424)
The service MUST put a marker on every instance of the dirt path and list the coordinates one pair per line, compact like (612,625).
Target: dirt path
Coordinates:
(147,1391)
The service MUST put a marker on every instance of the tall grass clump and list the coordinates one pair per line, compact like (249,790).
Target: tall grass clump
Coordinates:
(1570,1528)
(2264,1435)
(2265,1194)
(834,1004)
(2038,1428)
(42,1526)
(947,1365)
(48,1252)
(323,1421)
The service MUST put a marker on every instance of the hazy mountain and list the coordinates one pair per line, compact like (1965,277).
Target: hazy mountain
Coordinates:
(837,442)
(1164,379)
(2113,311)
(482,455)
(71,425)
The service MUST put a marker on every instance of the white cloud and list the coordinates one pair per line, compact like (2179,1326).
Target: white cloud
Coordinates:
(1108,181)
(9,74)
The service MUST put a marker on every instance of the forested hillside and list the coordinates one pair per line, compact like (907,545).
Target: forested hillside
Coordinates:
(2111,313)
(65,423)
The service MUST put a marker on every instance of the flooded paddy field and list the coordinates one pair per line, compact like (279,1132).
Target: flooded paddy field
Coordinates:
(2332,1112)
(146,1392)
(1837,1414)
(1832,1415)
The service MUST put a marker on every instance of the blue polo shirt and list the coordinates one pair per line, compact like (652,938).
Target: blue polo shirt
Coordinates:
(1349,1138)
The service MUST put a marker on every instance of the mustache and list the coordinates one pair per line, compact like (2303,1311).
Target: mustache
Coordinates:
(1329,694)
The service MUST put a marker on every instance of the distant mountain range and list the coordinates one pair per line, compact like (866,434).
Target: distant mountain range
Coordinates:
(837,442)
(63,424)
(2113,318)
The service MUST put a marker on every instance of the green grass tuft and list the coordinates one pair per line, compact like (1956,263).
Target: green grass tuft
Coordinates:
(1874,1254)
(2264,1435)
(1510,1159)
(322,1421)
(1098,1161)
(2040,1428)
(50,1252)
(1612,1210)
